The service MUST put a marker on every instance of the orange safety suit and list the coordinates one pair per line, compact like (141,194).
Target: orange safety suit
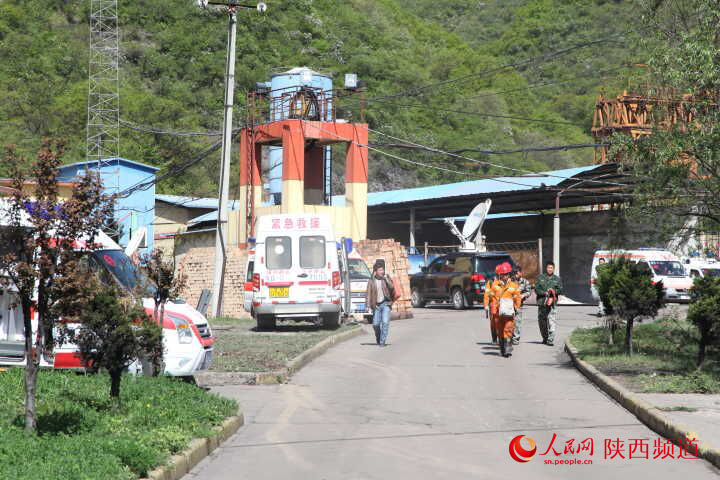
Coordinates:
(504,326)
(486,303)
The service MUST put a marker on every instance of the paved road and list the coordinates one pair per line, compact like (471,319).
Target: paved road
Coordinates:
(439,402)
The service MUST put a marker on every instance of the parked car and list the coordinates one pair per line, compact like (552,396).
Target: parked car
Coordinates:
(458,278)
(663,265)
(187,338)
(359,278)
(295,271)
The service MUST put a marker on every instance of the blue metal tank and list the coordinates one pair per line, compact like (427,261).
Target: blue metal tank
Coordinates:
(284,87)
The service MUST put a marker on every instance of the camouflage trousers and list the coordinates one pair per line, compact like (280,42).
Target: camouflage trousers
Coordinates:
(546,322)
(518,326)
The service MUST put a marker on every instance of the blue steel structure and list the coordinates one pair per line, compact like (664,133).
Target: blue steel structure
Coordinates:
(132,212)
(284,89)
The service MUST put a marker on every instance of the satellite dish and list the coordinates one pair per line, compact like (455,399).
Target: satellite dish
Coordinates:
(135,241)
(475,220)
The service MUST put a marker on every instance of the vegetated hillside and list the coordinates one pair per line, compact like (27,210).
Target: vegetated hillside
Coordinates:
(173,59)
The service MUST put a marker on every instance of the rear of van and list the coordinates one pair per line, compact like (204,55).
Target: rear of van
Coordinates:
(296,275)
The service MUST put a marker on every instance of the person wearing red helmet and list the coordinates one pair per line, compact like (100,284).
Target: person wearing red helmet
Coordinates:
(505,298)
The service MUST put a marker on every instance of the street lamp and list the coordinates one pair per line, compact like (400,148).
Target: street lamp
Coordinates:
(222,221)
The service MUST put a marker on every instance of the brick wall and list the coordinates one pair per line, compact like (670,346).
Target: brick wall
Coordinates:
(197,259)
(396,265)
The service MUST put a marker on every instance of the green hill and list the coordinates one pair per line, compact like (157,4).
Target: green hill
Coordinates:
(173,58)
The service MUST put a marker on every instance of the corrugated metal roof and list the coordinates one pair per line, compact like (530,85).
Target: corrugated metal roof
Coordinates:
(118,159)
(212,216)
(188,202)
(473,187)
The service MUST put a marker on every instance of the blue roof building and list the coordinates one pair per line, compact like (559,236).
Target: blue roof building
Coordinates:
(133,212)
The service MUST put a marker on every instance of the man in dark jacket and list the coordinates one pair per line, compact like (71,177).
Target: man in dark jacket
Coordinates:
(547,289)
(379,298)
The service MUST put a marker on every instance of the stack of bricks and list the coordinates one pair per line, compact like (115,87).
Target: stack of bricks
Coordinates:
(198,264)
(396,265)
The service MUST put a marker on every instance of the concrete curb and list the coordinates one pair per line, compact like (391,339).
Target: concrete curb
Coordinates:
(277,376)
(645,412)
(199,448)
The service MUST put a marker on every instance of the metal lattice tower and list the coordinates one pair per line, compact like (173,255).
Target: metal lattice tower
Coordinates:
(103,120)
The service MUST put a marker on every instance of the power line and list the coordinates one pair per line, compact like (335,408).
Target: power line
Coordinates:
(158,131)
(555,148)
(519,170)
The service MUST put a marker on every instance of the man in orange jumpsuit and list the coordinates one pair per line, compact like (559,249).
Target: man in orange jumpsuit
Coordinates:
(486,303)
(505,298)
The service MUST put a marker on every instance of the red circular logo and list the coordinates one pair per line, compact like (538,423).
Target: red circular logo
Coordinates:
(518,453)
(108,259)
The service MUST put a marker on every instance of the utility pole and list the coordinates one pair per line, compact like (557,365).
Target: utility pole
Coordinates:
(221,234)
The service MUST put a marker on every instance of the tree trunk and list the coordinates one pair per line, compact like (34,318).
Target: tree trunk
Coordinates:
(115,378)
(30,372)
(628,337)
(611,329)
(701,352)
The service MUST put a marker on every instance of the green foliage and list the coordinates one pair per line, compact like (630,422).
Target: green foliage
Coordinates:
(173,58)
(664,361)
(114,331)
(84,435)
(704,312)
(678,168)
(627,290)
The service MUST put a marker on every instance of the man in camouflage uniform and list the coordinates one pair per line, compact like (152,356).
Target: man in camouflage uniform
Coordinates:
(547,289)
(525,290)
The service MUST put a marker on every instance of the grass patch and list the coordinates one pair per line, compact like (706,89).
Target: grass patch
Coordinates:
(84,435)
(678,409)
(664,360)
(239,348)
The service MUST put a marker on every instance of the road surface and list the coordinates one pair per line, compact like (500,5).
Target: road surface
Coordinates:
(438,402)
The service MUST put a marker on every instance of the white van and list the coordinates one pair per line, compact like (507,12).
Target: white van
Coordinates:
(296,275)
(359,278)
(702,267)
(187,338)
(663,265)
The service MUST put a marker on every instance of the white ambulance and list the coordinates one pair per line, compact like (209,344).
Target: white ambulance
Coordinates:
(295,271)
(663,265)
(187,338)
(702,267)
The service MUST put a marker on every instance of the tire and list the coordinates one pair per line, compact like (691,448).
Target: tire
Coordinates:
(457,298)
(266,322)
(417,299)
(331,321)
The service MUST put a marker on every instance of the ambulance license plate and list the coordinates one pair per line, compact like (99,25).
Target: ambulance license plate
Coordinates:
(279,292)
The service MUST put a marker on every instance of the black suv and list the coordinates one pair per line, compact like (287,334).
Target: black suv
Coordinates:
(458,278)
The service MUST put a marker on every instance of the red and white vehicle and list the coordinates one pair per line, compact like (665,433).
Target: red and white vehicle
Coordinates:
(187,338)
(663,265)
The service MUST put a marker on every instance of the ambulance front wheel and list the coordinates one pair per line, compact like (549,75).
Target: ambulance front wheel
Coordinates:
(266,322)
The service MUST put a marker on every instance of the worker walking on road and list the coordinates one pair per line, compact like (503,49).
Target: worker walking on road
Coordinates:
(525,291)
(379,298)
(504,299)
(548,289)
(486,304)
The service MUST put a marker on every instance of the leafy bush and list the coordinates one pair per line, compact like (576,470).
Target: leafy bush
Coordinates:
(83,435)
(704,313)
(627,290)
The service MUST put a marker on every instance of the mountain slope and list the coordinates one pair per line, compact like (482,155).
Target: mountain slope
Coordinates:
(173,58)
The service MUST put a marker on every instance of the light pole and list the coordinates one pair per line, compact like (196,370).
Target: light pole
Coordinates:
(222,220)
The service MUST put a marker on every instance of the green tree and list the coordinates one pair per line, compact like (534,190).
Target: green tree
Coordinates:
(113,330)
(44,235)
(628,291)
(677,167)
(704,313)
